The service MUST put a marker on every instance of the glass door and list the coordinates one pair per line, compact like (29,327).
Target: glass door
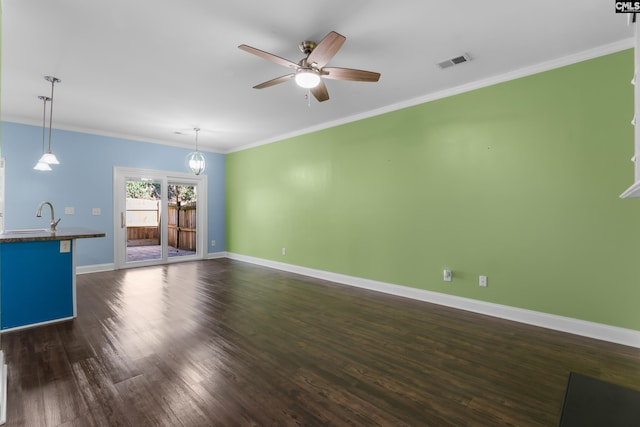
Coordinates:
(143,219)
(159,217)
(182,224)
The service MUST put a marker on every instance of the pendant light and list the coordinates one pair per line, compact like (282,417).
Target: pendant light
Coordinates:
(195,160)
(42,166)
(48,157)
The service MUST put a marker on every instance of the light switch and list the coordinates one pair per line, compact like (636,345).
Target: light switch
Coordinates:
(96,211)
(65,246)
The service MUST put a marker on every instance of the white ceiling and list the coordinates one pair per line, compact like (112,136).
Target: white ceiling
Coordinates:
(146,69)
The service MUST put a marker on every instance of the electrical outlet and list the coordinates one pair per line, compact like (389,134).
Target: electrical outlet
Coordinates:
(284,251)
(96,211)
(483,281)
(213,243)
(446,275)
(65,246)
(69,211)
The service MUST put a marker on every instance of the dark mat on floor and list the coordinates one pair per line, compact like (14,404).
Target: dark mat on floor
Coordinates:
(589,402)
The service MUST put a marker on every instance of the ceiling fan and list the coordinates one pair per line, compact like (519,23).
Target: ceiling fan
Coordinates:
(309,72)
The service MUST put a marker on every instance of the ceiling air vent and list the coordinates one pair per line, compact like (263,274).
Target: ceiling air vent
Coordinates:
(454,61)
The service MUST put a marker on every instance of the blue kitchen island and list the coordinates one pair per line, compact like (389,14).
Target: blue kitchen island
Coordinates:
(38,276)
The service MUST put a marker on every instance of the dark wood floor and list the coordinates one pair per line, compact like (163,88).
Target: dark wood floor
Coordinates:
(226,343)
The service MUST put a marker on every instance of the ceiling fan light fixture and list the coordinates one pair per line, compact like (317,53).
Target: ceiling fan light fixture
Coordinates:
(310,71)
(307,78)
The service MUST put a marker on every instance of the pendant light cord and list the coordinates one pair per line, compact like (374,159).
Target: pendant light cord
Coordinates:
(197,130)
(44,118)
(53,81)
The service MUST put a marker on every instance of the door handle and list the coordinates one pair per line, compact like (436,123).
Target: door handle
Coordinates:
(123,223)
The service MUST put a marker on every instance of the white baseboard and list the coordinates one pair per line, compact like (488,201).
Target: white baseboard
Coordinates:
(216,255)
(95,268)
(3,389)
(570,325)
(33,325)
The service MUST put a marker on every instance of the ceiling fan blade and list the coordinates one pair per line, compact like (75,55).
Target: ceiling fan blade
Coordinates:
(351,74)
(268,56)
(326,49)
(320,92)
(275,81)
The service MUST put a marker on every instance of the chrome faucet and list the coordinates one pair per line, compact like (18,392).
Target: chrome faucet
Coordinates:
(54,223)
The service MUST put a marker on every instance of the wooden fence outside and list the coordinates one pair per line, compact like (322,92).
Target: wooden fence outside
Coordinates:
(143,224)
(182,225)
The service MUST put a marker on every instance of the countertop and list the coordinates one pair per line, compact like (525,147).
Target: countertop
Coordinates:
(64,233)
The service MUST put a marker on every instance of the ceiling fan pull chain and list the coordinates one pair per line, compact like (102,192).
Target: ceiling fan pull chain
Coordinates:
(308,95)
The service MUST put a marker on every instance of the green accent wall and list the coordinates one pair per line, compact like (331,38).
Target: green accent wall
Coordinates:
(518,181)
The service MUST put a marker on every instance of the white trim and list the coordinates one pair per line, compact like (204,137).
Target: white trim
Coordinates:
(633,191)
(598,331)
(490,81)
(33,325)
(3,390)
(95,268)
(216,255)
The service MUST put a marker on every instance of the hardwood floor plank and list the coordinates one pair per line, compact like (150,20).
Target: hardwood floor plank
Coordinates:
(103,401)
(169,388)
(150,408)
(224,343)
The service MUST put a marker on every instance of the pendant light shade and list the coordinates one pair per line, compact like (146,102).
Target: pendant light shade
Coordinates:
(49,158)
(42,166)
(195,159)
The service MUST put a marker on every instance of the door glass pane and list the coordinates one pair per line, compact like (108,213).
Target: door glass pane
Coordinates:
(182,213)
(143,204)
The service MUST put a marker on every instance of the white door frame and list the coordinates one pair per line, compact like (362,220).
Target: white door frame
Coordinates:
(120,175)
